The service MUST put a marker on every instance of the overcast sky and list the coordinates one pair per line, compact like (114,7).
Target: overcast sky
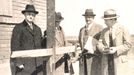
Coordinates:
(72,11)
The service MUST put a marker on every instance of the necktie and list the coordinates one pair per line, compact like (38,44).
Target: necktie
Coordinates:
(31,26)
(110,38)
(110,56)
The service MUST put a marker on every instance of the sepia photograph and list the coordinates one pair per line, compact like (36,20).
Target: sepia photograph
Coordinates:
(66,37)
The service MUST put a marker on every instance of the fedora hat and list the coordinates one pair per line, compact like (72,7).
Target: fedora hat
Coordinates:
(110,14)
(30,8)
(89,12)
(58,16)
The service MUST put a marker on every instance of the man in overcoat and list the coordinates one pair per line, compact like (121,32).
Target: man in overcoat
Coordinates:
(114,44)
(27,35)
(60,41)
(89,62)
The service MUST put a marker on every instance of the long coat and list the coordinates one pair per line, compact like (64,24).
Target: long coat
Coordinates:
(24,38)
(92,61)
(59,59)
(121,40)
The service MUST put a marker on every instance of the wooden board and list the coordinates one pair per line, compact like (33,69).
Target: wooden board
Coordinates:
(41,52)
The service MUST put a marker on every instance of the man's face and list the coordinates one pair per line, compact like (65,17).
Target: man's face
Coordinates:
(89,19)
(29,16)
(57,23)
(109,22)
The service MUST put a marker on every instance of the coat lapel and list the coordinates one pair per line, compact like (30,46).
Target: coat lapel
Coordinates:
(117,31)
(30,30)
(106,38)
(115,34)
(28,27)
(91,31)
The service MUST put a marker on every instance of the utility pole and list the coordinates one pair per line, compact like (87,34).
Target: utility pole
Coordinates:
(51,33)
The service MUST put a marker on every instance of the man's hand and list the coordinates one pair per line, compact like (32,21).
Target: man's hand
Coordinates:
(112,50)
(100,46)
(73,60)
(19,68)
(106,50)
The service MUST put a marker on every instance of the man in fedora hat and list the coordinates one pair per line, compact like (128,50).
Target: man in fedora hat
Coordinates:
(60,42)
(27,35)
(114,44)
(62,64)
(89,61)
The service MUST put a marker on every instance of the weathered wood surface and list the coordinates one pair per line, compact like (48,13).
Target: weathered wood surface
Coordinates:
(41,52)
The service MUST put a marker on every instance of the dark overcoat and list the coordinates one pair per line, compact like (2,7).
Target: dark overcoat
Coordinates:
(92,60)
(24,38)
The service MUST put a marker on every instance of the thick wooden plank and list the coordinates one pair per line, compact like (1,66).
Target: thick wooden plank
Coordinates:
(31,53)
(41,52)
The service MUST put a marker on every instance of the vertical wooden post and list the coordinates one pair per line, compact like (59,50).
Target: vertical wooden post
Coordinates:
(50,23)
(51,32)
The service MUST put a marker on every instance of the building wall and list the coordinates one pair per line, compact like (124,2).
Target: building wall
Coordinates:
(10,14)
